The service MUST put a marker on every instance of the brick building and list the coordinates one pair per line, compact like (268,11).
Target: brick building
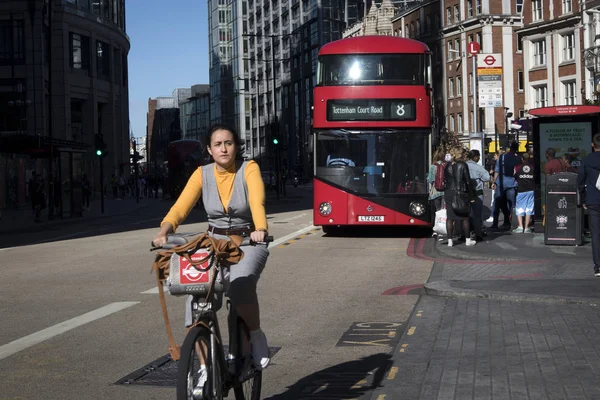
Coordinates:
(550,52)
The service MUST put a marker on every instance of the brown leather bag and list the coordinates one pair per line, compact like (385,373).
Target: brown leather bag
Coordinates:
(225,252)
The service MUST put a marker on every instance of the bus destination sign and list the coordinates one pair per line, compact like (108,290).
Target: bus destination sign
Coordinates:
(371,110)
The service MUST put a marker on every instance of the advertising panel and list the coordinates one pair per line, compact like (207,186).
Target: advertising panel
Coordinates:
(573,138)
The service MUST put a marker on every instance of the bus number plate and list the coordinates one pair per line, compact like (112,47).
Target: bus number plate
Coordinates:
(371,218)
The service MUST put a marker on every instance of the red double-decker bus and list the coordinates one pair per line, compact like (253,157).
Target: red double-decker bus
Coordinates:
(372,133)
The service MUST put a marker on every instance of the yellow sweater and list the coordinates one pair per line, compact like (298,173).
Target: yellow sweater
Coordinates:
(193,190)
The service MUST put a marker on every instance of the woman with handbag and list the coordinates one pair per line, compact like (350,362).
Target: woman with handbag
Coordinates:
(459,194)
(233,194)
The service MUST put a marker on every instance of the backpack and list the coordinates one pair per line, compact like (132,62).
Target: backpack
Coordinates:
(440,182)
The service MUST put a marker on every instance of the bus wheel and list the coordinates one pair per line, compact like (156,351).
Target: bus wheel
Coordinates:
(331,230)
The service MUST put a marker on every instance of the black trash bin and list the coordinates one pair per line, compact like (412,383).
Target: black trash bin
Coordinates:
(564,219)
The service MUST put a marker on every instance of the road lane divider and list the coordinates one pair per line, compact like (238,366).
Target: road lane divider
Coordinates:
(25,342)
(291,236)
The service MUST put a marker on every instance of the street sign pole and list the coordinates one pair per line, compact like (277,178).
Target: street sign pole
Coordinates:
(474,49)
(475,99)
(102,184)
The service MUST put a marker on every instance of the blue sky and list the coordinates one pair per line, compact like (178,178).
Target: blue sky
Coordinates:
(169,49)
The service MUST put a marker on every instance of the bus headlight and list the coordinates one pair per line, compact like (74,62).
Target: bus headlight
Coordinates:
(417,209)
(325,208)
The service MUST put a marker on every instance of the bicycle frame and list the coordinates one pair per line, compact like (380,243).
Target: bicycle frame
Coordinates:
(203,310)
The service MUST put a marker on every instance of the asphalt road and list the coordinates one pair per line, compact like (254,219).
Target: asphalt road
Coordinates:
(79,311)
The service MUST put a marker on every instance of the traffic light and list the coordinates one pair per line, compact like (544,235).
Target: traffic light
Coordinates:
(100,146)
(275,140)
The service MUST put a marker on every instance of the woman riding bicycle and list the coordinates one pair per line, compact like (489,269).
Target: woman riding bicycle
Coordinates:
(233,194)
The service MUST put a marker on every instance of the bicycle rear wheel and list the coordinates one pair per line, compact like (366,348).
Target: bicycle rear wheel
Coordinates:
(198,340)
(250,387)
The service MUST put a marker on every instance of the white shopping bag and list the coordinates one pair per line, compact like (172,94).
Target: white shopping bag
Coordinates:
(440,222)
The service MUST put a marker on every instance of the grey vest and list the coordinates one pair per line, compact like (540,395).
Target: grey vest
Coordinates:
(238,212)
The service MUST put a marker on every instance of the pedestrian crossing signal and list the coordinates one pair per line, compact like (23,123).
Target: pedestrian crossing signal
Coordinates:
(275,141)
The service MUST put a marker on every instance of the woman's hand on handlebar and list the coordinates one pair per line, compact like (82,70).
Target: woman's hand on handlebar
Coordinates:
(258,236)
(161,237)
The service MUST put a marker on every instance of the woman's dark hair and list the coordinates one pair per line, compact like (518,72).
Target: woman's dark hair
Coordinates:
(236,137)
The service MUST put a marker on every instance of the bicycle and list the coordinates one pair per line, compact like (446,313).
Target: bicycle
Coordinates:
(203,341)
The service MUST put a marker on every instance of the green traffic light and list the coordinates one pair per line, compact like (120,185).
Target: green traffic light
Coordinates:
(275,141)
(98,152)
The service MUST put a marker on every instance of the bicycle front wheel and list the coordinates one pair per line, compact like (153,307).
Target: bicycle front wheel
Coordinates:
(196,355)
(250,386)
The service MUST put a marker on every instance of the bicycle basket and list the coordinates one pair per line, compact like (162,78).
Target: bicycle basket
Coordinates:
(185,278)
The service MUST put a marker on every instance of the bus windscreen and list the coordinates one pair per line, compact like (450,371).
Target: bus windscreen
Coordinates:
(374,163)
(371,69)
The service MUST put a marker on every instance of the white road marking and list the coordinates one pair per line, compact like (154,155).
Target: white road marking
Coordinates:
(293,218)
(506,246)
(154,290)
(38,337)
(292,235)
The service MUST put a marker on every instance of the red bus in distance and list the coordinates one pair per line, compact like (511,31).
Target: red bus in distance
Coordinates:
(372,133)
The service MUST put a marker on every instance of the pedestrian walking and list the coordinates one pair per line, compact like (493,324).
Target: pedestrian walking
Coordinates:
(459,195)
(479,175)
(505,185)
(587,180)
(525,176)
(436,197)
(86,191)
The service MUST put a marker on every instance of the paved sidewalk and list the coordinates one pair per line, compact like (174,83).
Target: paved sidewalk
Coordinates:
(21,220)
(508,318)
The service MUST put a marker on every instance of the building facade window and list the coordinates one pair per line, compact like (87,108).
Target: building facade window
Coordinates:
(102,59)
(540,96)
(451,123)
(478,7)
(80,51)
(12,42)
(451,87)
(459,85)
(569,93)
(568,47)
(459,123)
(456,14)
(536,10)
(539,52)
(448,16)
(520,7)
(520,80)
(567,6)
(450,52)
(469,8)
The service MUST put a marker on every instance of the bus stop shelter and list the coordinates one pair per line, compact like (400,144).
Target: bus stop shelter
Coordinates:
(567,130)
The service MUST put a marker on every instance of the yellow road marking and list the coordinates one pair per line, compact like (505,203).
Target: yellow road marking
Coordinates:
(404,346)
(392,334)
(411,330)
(359,384)
(381,397)
(393,372)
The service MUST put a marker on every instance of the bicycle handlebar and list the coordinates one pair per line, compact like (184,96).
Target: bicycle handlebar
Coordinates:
(179,239)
